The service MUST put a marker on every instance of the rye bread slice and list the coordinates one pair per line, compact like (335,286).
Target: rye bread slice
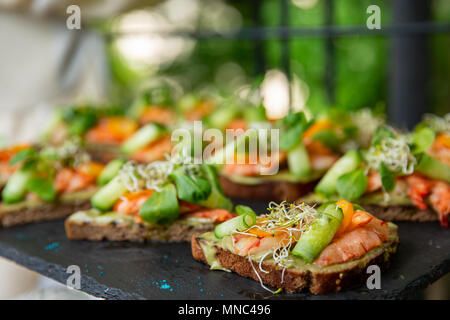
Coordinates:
(266,190)
(404,211)
(44,212)
(401,213)
(318,281)
(127,230)
(103,153)
(36,211)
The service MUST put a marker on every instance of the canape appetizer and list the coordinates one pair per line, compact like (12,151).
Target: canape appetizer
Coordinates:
(304,154)
(298,247)
(48,184)
(101,130)
(158,201)
(397,178)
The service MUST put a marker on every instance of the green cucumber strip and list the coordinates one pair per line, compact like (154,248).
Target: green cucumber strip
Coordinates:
(110,171)
(144,136)
(240,210)
(105,198)
(16,187)
(239,223)
(298,161)
(319,234)
(349,162)
(433,168)
(222,117)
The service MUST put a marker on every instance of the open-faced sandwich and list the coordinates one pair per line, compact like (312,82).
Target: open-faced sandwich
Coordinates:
(306,150)
(48,184)
(298,247)
(400,177)
(101,130)
(158,201)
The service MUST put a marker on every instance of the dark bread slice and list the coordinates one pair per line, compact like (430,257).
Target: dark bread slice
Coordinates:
(266,190)
(129,231)
(320,281)
(396,212)
(401,213)
(43,212)
(103,153)
(35,210)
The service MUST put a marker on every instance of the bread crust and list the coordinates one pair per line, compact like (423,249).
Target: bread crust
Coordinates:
(139,232)
(296,280)
(43,212)
(267,190)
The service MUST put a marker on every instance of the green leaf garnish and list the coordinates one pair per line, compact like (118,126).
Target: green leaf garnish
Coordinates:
(294,124)
(422,139)
(43,188)
(387,178)
(328,138)
(352,185)
(162,207)
(22,155)
(189,189)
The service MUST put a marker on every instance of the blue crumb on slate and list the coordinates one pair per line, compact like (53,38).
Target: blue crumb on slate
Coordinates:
(20,236)
(163,285)
(52,246)
(166,256)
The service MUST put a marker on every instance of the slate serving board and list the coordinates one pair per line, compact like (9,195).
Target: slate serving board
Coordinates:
(154,270)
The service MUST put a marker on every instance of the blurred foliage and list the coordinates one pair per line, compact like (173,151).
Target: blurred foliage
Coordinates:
(361,66)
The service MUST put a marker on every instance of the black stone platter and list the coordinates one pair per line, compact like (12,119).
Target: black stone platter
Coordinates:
(123,270)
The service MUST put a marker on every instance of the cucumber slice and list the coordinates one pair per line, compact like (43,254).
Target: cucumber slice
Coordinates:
(144,136)
(239,223)
(319,234)
(105,198)
(349,162)
(222,117)
(433,168)
(110,171)
(298,161)
(16,187)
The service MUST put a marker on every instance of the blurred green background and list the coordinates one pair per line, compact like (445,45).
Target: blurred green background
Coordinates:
(361,62)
